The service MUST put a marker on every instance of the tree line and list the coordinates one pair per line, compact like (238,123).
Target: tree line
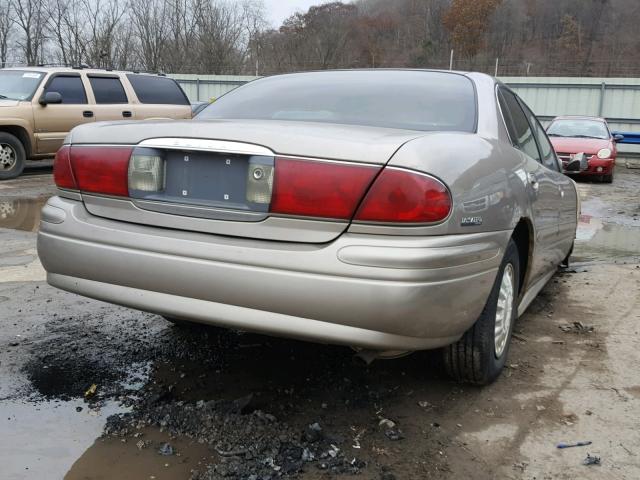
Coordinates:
(510,37)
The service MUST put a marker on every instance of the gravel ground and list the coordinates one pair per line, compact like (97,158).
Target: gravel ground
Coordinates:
(94,391)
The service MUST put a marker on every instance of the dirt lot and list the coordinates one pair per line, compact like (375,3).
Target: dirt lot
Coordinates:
(202,403)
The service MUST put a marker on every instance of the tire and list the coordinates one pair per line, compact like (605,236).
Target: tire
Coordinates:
(187,325)
(607,178)
(565,262)
(181,323)
(478,357)
(12,156)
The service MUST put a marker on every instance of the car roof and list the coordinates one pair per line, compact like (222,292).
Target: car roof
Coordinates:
(466,73)
(49,69)
(579,117)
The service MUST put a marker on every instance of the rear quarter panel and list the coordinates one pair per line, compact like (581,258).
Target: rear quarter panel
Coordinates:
(486,178)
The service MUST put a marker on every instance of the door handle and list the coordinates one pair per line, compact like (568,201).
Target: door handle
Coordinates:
(127,114)
(533,181)
(87,114)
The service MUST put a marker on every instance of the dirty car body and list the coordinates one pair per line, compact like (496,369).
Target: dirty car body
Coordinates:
(364,208)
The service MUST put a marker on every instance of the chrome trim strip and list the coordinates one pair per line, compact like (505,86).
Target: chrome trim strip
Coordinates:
(92,145)
(200,144)
(215,145)
(199,211)
(353,163)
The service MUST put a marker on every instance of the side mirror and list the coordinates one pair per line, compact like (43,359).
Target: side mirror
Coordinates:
(578,163)
(618,137)
(50,97)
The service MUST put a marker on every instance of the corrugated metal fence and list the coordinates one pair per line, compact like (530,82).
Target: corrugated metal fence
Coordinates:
(616,99)
(209,87)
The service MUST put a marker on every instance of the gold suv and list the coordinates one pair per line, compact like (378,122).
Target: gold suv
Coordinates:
(39,106)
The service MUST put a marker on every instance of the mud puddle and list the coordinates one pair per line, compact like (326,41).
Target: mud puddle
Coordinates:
(600,240)
(42,439)
(21,213)
(231,405)
(143,456)
(62,386)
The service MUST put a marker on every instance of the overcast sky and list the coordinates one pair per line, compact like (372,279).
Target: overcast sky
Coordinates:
(278,10)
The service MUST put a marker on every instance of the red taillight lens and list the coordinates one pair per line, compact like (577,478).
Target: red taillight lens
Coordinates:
(101,169)
(319,189)
(406,197)
(62,173)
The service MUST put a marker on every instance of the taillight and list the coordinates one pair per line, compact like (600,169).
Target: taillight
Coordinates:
(319,189)
(62,173)
(101,169)
(404,196)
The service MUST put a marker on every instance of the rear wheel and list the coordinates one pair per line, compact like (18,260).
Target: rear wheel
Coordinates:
(180,323)
(186,324)
(565,262)
(479,356)
(12,156)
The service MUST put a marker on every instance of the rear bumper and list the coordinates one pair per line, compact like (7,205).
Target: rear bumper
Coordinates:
(369,291)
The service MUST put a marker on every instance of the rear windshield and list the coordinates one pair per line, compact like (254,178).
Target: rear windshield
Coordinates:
(158,90)
(414,100)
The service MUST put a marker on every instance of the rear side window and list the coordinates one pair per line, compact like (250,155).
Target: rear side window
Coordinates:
(159,90)
(519,129)
(70,87)
(108,90)
(548,153)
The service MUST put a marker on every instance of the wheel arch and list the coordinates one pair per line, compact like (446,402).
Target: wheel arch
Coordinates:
(21,134)
(523,238)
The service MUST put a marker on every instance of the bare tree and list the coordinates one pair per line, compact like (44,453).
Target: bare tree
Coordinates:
(6,27)
(30,18)
(103,18)
(181,35)
(148,19)
(67,22)
(124,54)
(552,37)
(221,32)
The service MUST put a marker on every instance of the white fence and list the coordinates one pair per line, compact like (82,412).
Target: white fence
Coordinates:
(204,88)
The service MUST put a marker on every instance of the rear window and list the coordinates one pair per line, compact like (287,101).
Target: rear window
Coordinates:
(414,100)
(108,90)
(159,90)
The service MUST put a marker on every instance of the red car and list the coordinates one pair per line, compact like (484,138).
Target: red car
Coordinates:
(589,135)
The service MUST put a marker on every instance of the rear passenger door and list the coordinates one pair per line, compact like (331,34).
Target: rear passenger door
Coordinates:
(54,121)
(566,202)
(158,97)
(540,185)
(111,101)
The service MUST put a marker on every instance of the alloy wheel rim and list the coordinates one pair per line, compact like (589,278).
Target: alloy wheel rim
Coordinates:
(504,310)
(7,157)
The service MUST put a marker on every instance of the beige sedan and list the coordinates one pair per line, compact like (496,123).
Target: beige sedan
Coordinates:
(387,210)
